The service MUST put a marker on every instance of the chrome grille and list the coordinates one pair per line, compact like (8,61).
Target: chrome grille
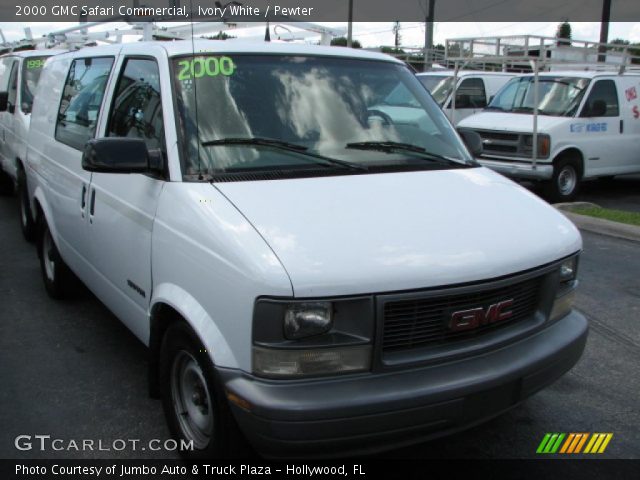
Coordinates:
(424,321)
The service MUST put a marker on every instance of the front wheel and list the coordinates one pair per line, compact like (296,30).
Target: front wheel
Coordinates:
(27,224)
(564,185)
(194,404)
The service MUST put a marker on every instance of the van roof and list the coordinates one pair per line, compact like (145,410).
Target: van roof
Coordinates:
(464,73)
(33,53)
(583,74)
(186,47)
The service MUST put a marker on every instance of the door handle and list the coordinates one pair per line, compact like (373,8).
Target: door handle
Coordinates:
(92,205)
(83,200)
(621,126)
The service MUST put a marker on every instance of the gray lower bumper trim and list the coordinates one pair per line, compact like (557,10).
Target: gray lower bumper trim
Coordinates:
(379,411)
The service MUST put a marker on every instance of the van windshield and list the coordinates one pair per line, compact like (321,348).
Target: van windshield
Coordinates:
(281,112)
(438,85)
(31,69)
(557,95)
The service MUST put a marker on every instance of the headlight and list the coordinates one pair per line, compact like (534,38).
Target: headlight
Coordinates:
(276,363)
(296,338)
(307,319)
(566,288)
(544,145)
(569,269)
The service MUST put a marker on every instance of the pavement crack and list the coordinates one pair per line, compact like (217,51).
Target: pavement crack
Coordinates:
(612,334)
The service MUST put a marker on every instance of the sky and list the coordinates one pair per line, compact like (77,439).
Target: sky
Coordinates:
(372,34)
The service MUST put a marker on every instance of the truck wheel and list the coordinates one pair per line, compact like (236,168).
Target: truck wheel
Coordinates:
(57,277)
(563,186)
(194,403)
(27,224)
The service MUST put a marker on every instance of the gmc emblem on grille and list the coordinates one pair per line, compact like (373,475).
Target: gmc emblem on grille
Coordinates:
(476,317)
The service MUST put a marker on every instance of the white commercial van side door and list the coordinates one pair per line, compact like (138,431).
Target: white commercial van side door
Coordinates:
(597,129)
(74,90)
(122,207)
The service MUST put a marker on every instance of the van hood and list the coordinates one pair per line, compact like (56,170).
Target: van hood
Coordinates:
(371,233)
(511,122)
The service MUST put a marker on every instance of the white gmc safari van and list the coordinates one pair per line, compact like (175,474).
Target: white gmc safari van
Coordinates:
(19,74)
(588,126)
(304,270)
(474,90)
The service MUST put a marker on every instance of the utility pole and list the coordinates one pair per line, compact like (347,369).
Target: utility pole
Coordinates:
(604,29)
(350,27)
(428,34)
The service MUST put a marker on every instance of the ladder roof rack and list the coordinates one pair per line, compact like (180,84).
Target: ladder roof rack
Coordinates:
(521,52)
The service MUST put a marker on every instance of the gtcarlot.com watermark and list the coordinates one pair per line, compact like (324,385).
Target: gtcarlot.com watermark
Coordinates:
(45,443)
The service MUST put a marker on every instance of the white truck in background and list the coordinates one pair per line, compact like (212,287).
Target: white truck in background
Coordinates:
(19,75)
(588,126)
(574,113)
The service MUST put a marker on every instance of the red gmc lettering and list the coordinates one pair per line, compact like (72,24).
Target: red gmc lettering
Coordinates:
(475,317)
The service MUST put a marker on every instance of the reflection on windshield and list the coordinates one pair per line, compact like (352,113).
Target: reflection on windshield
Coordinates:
(557,95)
(438,85)
(320,103)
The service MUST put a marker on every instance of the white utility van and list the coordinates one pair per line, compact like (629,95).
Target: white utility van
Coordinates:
(19,74)
(303,270)
(588,126)
(474,90)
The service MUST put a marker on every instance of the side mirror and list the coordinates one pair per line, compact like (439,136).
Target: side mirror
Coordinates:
(598,108)
(472,140)
(463,101)
(4,101)
(120,155)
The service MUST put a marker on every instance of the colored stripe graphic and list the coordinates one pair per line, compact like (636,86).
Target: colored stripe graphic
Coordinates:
(550,443)
(598,443)
(573,443)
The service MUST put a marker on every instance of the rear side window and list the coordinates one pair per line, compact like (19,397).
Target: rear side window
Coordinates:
(12,98)
(81,100)
(137,105)
(6,65)
(31,69)
(471,94)
(602,91)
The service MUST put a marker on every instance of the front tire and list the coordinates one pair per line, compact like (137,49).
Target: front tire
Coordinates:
(194,403)
(565,183)
(27,225)
(57,277)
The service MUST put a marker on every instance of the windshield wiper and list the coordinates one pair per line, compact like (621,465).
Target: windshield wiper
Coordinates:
(393,147)
(282,145)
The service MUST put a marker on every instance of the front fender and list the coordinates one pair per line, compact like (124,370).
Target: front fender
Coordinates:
(196,316)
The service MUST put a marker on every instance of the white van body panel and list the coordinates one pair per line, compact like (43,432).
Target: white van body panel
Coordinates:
(199,236)
(346,235)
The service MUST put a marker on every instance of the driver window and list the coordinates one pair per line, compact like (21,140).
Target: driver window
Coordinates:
(81,100)
(137,105)
(471,94)
(604,93)
(13,89)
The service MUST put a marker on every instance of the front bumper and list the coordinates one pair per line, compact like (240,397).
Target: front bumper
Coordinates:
(521,170)
(368,412)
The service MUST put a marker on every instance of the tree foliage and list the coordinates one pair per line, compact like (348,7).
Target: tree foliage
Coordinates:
(563,33)
(342,42)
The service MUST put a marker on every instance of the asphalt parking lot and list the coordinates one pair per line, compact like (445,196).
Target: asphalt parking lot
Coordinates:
(72,371)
